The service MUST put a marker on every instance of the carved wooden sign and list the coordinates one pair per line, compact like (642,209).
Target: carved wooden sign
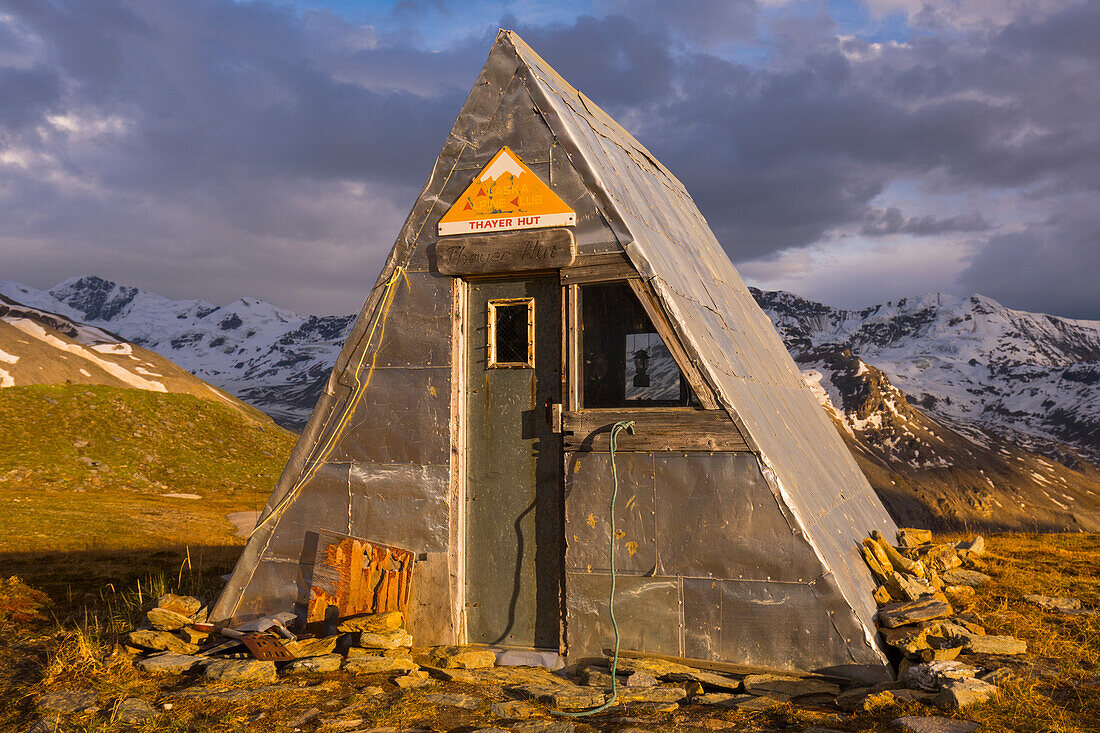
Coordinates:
(545,249)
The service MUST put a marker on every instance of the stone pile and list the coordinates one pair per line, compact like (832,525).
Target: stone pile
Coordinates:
(924,593)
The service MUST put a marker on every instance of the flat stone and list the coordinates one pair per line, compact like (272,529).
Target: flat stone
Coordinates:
(770,684)
(133,710)
(997,676)
(183,605)
(459,657)
(316,647)
(965,577)
(721,699)
(958,694)
(240,670)
(641,678)
(304,718)
(165,619)
(759,704)
(656,694)
(543,726)
(914,724)
(377,664)
(340,723)
(373,622)
(976,545)
(900,614)
(985,644)
(907,587)
(415,678)
(455,700)
(910,639)
(1049,603)
(707,679)
(882,596)
(933,675)
(941,558)
(514,710)
(940,654)
(194,636)
(564,698)
(161,641)
(910,537)
(68,701)
(171,663)
(960,596)
(315,665)
(593,677)
(385,639)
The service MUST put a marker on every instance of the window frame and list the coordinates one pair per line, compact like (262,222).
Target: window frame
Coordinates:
(491,354)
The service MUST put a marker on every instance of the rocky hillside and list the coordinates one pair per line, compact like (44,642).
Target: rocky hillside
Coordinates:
(269,357)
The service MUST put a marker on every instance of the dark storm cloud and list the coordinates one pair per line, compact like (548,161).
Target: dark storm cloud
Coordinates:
(249,135)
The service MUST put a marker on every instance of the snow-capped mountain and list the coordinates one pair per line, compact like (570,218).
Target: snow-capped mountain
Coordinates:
(269,357)
(971,363)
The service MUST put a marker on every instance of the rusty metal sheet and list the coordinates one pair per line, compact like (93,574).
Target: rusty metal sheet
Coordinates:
(717,517)
(588,486)
(404,505)
(647,611)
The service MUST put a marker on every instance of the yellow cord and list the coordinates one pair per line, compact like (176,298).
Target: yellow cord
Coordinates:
(360,387)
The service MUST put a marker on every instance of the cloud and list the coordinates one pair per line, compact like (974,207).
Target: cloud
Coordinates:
(882,222)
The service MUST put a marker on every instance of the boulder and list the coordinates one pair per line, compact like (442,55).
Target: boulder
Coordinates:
(377,664)
(385,639)
(240,670)
(460,657)
(133,710)
(778,685)
(68,701)
(315,665)
(932,676)
(183,605)
(910,537)
(965,577)
(934,724)
(161,641)
(958,694)
(900,614)
(377,623)
(165,619)
(171,663)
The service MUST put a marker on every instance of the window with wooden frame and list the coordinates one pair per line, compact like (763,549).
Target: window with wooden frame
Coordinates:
(624,361)
(512,333)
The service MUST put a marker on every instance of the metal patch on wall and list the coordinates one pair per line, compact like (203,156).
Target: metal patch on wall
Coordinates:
(646,609)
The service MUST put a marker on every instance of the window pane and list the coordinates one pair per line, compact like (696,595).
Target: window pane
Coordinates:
(625,361)
(511,333)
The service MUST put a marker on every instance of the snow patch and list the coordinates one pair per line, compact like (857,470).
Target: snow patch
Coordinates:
(8,358)
(113,348)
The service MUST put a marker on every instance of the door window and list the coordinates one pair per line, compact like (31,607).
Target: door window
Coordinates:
(512,333)
(625,362)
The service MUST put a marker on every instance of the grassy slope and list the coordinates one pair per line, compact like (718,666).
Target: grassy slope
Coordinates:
(145,444)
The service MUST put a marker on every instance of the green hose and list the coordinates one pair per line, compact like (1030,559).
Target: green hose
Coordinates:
(617,428)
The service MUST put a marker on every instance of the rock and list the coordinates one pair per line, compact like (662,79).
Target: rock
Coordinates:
(68,701)
(940,654)
(317,647)
(415,678)
(340,723)
(564,698)
(965,577)
(976,545)
(133,710)
(910,639)
(984,644)
(707,679)
(960,596)
(454,700)
(161,641)
(882,596)
(1049,603)
(641,678)
(901,563)
(194,636)
(171,663)
(304,718)
(378,623)
(655,694)
(776,685)
(970,560)
(900,614)
(543,726)
(720,699)
(909,537)
(932,676)
(386,639)
(997,676)
(165,619)
(315,665)
(514,710)
(958,694)
(941,558)
(459,657)
(759,704)
(914,724)
(907,587)
(240,670)
(183,605)
(376,664)
(593,677)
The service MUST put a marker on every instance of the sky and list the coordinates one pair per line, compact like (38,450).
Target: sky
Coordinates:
(848,151)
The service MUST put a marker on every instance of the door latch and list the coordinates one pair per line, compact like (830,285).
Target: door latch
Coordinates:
(553,415)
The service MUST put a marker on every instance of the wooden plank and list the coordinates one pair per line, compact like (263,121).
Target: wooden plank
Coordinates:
(536,249)
(598,268)
(656,429)
(689,369)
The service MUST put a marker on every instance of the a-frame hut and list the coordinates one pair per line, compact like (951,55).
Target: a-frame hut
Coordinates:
(552,279)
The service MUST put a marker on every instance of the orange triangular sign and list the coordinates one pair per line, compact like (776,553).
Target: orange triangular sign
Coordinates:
(506,195)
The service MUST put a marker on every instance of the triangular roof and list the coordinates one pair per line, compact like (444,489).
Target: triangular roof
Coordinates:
(724,332)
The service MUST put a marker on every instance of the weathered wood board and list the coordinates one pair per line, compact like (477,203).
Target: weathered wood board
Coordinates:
(656,429)
(545,249)
(354,576)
